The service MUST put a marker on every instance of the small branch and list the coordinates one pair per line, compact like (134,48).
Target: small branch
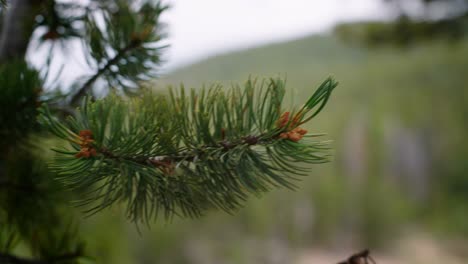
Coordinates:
(362,257)
(87,85)
(11,259)
(164,161)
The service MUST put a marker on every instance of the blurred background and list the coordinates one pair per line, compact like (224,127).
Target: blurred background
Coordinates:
(398,183)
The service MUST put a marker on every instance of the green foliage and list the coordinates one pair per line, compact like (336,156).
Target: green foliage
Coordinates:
(122,43)
(423,20)
(184,153)
(31,200)
(8,237)
(60,21)
(403,32)
(178,154)
(21,87)
(26,184)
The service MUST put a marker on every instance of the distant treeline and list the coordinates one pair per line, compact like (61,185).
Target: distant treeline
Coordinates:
(434,19)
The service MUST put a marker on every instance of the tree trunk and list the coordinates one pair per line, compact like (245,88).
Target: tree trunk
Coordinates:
(17,28)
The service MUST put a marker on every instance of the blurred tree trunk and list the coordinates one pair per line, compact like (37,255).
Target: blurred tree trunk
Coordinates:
(17,28)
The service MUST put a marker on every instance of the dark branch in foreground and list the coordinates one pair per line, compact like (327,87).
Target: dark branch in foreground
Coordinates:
(87,85)
(11,259)
(362,257)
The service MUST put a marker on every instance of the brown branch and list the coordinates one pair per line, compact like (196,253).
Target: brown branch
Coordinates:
(11,259)
(163,161)
(362,257)
(88,84)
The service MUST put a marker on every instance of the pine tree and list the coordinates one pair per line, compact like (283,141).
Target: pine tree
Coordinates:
(417,21)
(179,153)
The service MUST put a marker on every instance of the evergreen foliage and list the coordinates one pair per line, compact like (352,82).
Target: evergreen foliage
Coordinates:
(183,153)
(176,155)
(21,87)
(418,21)
(122,43)
(31,200)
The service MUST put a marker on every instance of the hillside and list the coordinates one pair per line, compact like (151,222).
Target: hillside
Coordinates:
(398,120)
(312,55)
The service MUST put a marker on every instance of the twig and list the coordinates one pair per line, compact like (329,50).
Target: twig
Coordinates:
(87,85)
(362,257)
(164,160)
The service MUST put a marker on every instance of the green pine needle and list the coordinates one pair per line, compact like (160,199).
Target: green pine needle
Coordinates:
(189,151)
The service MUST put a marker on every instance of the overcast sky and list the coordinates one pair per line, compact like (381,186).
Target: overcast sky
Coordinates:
(206,27)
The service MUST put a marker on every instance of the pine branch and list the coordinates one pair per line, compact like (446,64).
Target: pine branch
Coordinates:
(19,94)
(183,154)
(88,84)
(126,54)
(189,156)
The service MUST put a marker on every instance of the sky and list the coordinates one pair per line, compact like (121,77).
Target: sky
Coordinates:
(198,29)
(202,28)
